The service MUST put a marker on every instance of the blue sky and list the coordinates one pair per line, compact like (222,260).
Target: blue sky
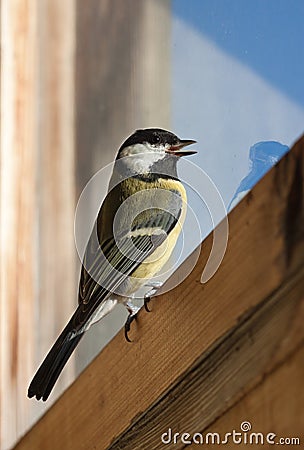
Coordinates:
(237,80)
(267,35)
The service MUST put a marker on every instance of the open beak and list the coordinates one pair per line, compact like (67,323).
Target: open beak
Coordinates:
(178,149)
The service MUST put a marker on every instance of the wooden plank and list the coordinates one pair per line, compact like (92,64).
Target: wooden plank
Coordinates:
(124,381)
(38,286)
(17,215)
(240,360)
(274,406)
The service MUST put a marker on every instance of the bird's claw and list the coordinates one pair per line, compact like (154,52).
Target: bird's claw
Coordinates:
(129,320)
(147,299)
(133,309)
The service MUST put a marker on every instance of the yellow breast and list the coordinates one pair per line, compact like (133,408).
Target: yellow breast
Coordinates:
(154,263)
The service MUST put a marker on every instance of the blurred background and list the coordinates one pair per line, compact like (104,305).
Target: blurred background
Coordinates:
(76,79)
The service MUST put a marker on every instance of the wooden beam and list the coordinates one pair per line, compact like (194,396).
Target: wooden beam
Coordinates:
(240,359)
(275,405)
(17,214)
(245,322)
(38,285)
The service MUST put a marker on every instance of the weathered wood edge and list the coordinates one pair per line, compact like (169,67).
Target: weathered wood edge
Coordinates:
(227,371)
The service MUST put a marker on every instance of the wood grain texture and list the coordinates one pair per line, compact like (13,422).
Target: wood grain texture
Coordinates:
(17,215)
(37,196)
(125,381)
(243,357)
(275,405)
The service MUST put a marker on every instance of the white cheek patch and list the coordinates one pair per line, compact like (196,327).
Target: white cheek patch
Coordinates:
(134,150)
(140,157)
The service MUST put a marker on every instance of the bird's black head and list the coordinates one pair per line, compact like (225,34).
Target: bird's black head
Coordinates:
(155,138)
(153,149)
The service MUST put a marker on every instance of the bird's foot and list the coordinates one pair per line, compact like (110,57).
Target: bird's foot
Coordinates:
(147,297)
(128,326)
(133,310)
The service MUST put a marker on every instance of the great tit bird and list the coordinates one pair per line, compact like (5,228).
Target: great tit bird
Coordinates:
(133,237)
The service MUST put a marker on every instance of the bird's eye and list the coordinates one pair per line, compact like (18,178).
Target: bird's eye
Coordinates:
(156,138)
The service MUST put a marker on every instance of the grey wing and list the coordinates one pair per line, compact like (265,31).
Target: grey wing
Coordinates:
(106,266)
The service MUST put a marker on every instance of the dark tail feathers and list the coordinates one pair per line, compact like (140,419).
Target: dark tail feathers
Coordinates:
(47,374)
